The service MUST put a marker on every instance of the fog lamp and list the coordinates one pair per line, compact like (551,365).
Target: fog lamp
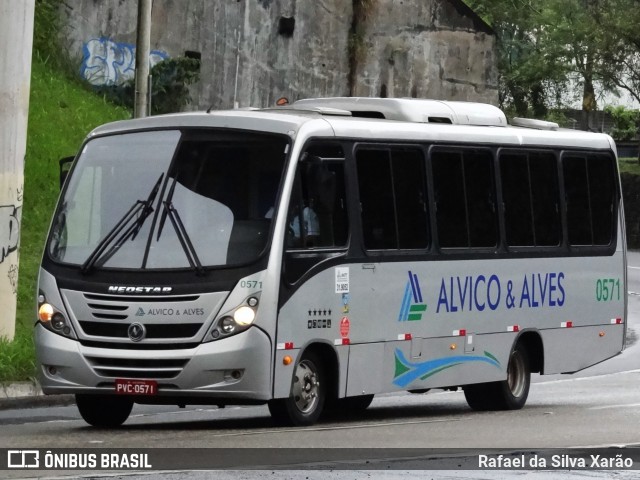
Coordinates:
(58,321)
(227,325)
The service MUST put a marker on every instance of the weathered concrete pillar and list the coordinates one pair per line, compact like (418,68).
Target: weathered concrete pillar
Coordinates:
(16,42)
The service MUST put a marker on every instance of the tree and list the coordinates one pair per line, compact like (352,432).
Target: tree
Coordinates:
(573,33)
(625,122)
(555,44)
(526,76)
(621,39)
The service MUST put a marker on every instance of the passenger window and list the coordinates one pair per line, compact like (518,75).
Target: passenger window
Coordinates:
(465,198)
(393,203)
(317,214)
(590,196)
(530,197)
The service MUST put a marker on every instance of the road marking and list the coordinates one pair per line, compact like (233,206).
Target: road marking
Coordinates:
(605,407)
(579,379)
(342,427)
(634,268)
(608,445)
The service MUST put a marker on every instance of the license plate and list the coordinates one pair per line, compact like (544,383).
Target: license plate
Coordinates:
(125,386)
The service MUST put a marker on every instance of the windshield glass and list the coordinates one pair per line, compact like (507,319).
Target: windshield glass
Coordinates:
(215,204)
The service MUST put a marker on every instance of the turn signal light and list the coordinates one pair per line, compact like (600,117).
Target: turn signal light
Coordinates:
(45,312)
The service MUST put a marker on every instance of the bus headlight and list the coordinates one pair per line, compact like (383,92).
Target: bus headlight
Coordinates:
(244,315)
(234,321)
(53,319)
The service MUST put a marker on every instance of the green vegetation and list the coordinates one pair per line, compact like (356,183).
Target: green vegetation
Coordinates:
(629,165)
(626,122)
(547,48)
(169,89)
(61,113)
(171,80)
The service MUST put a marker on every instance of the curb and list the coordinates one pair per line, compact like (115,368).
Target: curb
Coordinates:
(29,395)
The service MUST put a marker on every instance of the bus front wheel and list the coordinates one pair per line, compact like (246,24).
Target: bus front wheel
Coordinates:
(509,394)
(104,411)
(308,394)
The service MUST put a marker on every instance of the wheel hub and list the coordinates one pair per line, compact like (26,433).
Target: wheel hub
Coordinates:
(306,387)
(516,375)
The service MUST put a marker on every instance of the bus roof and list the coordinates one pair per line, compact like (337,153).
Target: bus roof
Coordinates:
(377,119)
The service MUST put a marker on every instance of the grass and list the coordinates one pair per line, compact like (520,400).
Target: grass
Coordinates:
(629,165)
(61,113)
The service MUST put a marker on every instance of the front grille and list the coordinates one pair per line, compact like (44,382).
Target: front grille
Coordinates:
(139,346)
(106,306)
(137,368)
(105,319)
(154,331)
(170,321)
(110,316)
(136,298)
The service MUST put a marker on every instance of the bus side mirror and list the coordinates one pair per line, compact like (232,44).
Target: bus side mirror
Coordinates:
(65,166)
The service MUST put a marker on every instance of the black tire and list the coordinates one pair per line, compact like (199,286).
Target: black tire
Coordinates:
(509,394)
(106,411)
(308,394)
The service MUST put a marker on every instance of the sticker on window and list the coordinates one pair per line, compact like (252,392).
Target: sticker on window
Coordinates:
(342,279)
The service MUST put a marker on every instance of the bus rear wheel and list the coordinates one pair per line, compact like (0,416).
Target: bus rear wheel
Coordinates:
(104,411)
(308,394)
(509,394)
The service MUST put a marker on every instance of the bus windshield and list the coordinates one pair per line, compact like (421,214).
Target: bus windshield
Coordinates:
(169,199)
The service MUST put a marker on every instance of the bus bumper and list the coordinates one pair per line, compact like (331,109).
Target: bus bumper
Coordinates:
(231,370)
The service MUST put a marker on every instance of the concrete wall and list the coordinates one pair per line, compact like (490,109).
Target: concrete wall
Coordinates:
(422,47)
(425,49)
(16,39)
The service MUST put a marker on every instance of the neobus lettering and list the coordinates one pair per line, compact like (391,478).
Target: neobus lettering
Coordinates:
(117,289)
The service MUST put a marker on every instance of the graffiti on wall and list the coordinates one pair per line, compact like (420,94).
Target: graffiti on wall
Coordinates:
(10,235)
(9,230)
(106,62)
(13,277)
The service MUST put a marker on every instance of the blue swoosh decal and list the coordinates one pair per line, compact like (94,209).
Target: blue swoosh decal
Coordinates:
(418,370)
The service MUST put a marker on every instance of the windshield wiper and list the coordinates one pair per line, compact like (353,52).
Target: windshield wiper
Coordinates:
(185,241)
(163,216)
(142,209)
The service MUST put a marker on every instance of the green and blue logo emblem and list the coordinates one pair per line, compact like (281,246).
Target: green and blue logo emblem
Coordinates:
(412,304)
(407,372)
